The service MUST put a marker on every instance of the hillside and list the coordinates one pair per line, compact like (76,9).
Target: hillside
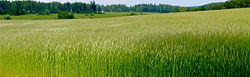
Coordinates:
(212,43)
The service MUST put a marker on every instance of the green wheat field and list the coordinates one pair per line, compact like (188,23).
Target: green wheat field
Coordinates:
(213,44)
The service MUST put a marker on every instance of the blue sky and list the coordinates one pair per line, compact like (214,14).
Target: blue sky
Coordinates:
(133,2)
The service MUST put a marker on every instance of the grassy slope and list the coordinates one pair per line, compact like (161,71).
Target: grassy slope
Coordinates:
(214,43)
(78,16)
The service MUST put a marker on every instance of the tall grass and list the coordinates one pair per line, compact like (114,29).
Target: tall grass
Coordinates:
(215,43)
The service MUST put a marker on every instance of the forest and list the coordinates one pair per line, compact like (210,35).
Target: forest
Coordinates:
(34,7)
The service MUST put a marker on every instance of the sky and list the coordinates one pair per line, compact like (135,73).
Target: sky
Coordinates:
(133,2)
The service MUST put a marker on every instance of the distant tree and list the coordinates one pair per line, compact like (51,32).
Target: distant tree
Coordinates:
(5,7)
(18,8)
(182,9)
(67,7)
(78,7)
(21,7)
(1,11)
(116,8)
(44,12)
(237,4)
(163,8)
(93,8)
(55,7)
(215,6)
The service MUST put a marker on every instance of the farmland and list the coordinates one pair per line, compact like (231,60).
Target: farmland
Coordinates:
(77,16)
(212,43)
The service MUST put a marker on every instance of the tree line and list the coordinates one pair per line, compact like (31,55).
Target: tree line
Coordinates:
(218,6)
(35,7)
(237,4)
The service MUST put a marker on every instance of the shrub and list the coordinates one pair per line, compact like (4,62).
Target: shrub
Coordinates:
(71,16)
(7,17)
(133,13)
(65,15)
(141,13)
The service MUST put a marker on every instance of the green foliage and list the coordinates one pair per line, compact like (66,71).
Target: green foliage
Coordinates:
(100,12)
(5,7)
(1,11)
(162,8)
(141,13)
(237,4)
(183,9)
(20,7)
(117,8)
(7,17)
(18,12)
(133,13)
(33,7)
(211,6)
(65,15)
(45,12)
(215,6)
(93,8)
(92,14)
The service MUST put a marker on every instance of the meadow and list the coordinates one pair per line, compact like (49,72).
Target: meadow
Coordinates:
(212,43)
(77,16)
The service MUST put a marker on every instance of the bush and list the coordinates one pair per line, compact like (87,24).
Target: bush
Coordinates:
(71,16)
(133,13)
(7,17)
(65,15)
(141,13)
